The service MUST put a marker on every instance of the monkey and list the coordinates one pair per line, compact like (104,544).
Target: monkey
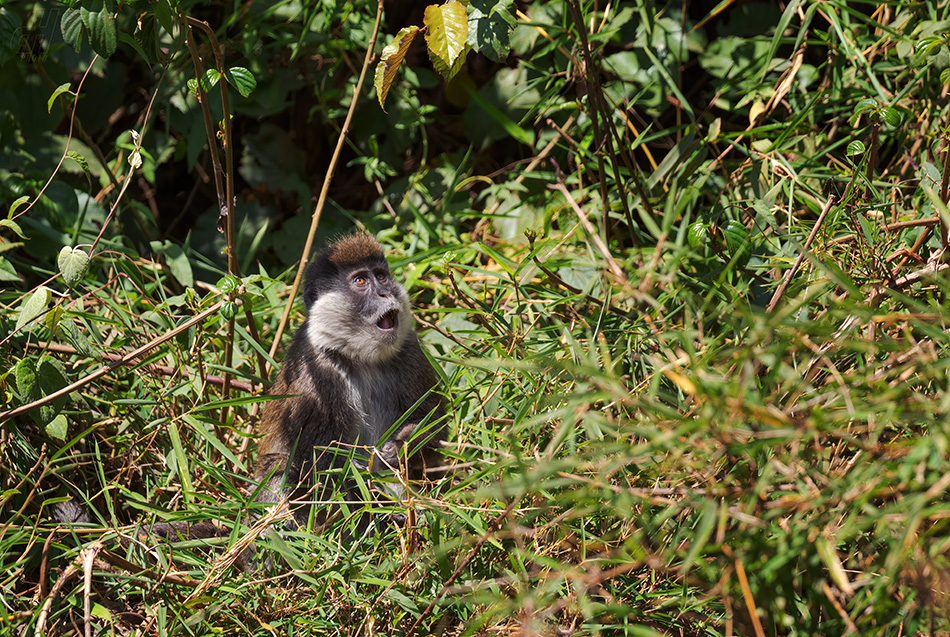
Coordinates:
(353,370)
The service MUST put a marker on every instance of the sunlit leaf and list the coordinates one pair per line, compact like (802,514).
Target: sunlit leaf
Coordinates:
(33,306)
(62,88)
(447,31)
(241,79)
(390,60)
(73,264)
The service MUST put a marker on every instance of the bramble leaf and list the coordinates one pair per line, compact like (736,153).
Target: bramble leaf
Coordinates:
(100,23)
(389,61)
(446,36)
(241,79)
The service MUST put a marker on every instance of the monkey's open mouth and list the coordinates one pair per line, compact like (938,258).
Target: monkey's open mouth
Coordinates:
(389,321)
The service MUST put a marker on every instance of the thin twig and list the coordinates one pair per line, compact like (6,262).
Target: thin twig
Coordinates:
(612,264)
(321,201)
(99,373)
(163,370)
(468,559)
(801,256)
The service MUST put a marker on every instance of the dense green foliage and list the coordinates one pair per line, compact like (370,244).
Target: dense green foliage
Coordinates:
(683,273)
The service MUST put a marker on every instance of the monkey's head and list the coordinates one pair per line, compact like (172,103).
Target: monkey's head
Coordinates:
(354,306)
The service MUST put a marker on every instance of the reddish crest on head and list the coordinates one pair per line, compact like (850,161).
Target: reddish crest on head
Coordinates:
(353,249)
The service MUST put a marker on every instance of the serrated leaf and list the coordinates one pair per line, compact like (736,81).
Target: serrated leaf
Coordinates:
(211,79)
(34,306)
(892,116)
(78,340)
(62,88)
(16,204)
(24,372)
(57,429)
(73,264)
(228,284)
(13,225)
(79,159)
(146,39)
(241,79)
(738,242)
(927,44)
(389,61)
(100,24)
(855,148)
(446,35)
(50,377)
(490,23)
(71,25)
(698,234)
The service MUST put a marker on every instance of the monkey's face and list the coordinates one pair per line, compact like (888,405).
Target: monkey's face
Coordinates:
(364,315)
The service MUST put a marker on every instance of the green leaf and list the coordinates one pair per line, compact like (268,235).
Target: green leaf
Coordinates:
(13,225)
(228,284)
(927,44)
(164,14)
(490,23)
(78,340)
(892,116)
(50,377)
(698,234)
(177,262)
(71,25)
(10,34)
(146,39)
(867,104)
(25,374)
(57,428)
(229,310)
(101,612)
(708,516)
(519,134)
(211,79)
(389,61)
(184,469)
(446,35)
(79,159)
(7,271)
(73,264)
(62,88)
(241,79)
(16,204)
(738,242)
(34,306)
(100,24)
(855,148)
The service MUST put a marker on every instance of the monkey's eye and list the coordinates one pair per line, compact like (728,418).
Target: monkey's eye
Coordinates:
(360,280)
(381,278)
